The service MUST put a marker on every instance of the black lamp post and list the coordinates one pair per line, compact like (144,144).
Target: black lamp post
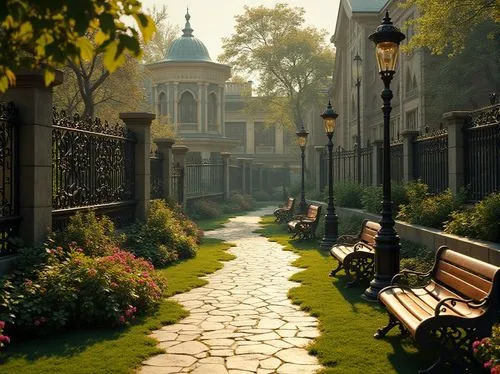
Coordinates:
(302,142)
(331,219)
(358,60)
(386,38)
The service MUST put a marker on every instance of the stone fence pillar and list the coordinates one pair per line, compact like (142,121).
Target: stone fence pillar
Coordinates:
(456,172)
(140,124)
(225,173)
(409,136)
(376,162)
(179,154)
(165,147)
(34,101)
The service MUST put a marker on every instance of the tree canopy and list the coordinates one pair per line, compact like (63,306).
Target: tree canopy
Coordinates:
(443,26)
(292,61)
(156,49)
(46,33)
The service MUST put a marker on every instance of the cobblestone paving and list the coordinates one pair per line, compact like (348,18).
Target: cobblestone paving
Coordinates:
(241,321)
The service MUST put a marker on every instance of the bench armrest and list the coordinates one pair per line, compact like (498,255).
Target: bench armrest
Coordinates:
(442,306)
(347,239)
(404,274)
(360,245)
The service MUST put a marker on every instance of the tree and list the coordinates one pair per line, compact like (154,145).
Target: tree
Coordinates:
(156,49)
(443,26)
(292,61)
(88,88)
(45,34)
(465,81)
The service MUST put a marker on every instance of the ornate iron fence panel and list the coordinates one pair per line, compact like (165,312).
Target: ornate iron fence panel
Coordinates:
(9,178)
(177,184)
(156,185)
(397,170)
(92,167)
(430,160)
(482,152)
(344,163)
(235,178)
(366,165)
(256,179)
(205,178)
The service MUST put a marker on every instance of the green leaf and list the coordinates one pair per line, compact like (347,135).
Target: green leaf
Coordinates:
(86,48)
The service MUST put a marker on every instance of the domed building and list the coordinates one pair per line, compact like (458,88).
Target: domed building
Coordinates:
(188,88)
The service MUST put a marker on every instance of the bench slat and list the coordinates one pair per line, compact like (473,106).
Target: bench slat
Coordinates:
(466,276)
(479,267)
(459,285)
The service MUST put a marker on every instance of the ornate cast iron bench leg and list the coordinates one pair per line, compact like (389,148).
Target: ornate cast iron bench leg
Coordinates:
(337,269)
(381,332)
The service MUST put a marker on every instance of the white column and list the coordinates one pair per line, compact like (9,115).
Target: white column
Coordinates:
(205,98)
(222,127)
(250,129)
(199,101)
(278,144)
(176,102)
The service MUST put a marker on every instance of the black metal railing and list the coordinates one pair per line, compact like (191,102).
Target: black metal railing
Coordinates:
(366,165)
(156,185)
(430,160)
(204,178)
(397,170)
(344,163)
(482,152)
(92,167)
(235,178)
(177,184)
(9,178)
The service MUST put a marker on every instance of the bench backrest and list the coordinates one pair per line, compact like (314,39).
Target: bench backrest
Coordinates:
(313,211)
(467,276)
(289,203)
(368,232)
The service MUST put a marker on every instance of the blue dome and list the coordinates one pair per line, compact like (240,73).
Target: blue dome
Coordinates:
(187,47)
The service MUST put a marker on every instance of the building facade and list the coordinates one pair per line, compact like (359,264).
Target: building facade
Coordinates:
(357,19)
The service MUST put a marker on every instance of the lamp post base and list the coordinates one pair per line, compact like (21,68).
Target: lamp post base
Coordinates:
(331,231)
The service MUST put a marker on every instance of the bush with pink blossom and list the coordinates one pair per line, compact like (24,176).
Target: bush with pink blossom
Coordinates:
(487,351)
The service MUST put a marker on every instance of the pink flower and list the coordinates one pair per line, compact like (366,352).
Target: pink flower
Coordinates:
(36,322)
(487,364)
(2,324)
(121,319)
(4,339)
(495,370)
(476,344)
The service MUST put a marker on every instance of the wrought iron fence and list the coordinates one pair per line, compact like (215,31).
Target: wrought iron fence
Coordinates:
(9,182)
(366,165)
(256,179)
(204,178)
(430,160)
(177,183)
(156,160)
(482,152)
(235,178)
(92,167)
(344,163)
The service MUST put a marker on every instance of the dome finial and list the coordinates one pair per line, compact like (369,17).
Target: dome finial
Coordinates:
(187,30)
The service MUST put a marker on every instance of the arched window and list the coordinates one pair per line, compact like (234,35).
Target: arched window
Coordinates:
(162,104)
(212,109)
(187,108)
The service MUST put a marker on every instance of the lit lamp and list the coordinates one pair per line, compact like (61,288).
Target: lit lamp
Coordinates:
(387,38)
(331,220)
(302,142)
(357,61)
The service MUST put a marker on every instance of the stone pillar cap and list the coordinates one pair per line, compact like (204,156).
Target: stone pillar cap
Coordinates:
(225,154)
(165,141)
(410,132)
(456,114)
(179,149)
(137,115)
(27,78)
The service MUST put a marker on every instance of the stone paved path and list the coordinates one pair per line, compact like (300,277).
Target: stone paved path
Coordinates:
(241,321)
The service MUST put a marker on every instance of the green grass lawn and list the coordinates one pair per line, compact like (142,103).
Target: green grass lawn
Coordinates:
(213,224)
(113,350)
(346,321)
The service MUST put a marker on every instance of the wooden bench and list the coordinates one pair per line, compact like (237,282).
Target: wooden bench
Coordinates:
(285,212)
(355,253)
(304,226)
(457,304)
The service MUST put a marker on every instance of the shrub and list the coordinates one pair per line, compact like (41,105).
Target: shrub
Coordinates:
(240,202)
(261,195)
(426,209)
(4,339)
(95,235)
(372,197)
(481,222)
(73,289)
(204,209)
(416,257)
(165,237)
(347,194)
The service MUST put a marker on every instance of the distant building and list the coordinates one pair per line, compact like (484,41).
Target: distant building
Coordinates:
(357,19)
(208,112)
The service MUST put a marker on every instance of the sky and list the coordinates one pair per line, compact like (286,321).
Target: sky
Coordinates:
(212,20)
